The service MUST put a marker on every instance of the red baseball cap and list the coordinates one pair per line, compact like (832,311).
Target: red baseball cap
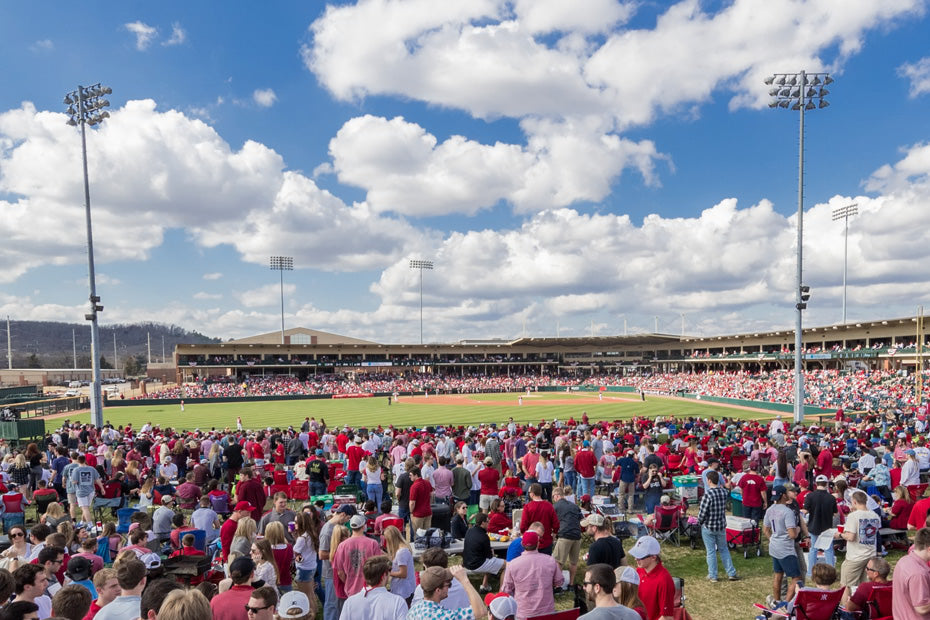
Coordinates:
(244,506)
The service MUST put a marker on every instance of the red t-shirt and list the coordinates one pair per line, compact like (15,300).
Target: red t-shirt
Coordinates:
(227,533)
(420,492)
(230,605)
(354,454)
(585,463)
(753,486)
(542,511)
(657,592)
(825,463)
(284,558)
(919,513)
(489,477)
(94,608)
(341,440)
(901,509)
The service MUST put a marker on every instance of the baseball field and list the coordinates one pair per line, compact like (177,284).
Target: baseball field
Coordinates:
(415,410)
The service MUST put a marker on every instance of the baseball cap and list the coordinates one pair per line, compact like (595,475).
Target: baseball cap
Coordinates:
(243,566)
(293,604)
(151,561)
(347,509)
(79,569)
(530,539)
(821,478)
(585,498)
(502,605)
(593,519)
(357,522)
(433,577)
(778,491)
(243,505)
(644,547)
(167,499)
(910,453)
(626,574)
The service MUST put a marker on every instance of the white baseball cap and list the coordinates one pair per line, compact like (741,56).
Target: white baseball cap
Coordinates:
(293,604)
(644,547)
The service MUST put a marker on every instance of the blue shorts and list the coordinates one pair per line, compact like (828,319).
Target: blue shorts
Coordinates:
(788,565)
(304,575)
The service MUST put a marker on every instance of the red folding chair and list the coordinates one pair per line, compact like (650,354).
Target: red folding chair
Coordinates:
(666,524)
(879,602)
(916,491)
(814,604)
(298,490)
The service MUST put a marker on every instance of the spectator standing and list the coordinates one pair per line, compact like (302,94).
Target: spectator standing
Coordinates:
(317,473)
(861,534)
(568,546)
(339,518)
(820,506)
(461,480)
(656,588)
(86,481)
(279,513)
(782,529)
(911,581)
(374,602)
(421,492)
(542,511)
(107,587)
(489,479)
(230,605)
(585,465)
(283,553)
(606,548)
(228,530)
(753,489)
(712,517)
(627,472)
(131,576)
(530,579)
(599,583)
(351,555)
(402,572)
(251,490)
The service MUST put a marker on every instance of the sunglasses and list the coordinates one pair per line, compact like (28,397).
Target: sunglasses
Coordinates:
(17,534)
(255,610)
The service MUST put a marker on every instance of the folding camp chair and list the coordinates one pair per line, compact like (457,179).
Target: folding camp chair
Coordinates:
(665,527)
(879,602)
(299,490)
(811,604)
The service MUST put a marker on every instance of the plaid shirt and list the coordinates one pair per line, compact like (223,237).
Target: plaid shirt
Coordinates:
(713,513)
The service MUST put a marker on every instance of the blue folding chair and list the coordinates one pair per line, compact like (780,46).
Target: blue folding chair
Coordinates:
(124,519)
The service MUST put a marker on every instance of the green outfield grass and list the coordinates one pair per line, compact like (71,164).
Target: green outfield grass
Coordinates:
(365,412)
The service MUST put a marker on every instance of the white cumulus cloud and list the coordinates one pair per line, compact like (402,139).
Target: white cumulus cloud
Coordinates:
(143,32)
(264,97)
(178,35)
(918,73)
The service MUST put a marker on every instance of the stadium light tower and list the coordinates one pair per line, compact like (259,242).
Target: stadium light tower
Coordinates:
(844,213)
(86,107)
(800,91)
(421,265)
(282,264)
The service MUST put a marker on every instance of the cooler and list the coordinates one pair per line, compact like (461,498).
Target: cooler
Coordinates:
(339,500)
(687,486)
(736,499)
(745,533)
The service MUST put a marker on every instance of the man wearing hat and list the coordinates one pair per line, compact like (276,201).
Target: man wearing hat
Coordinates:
(79,572)
(530,579)
(230,605)
(250,489)
(350,557)
(781,527)
(606,548)
(435,582)
(339,518)
(820,506)
(753,488)
(599,582)
(656,588)
(228,529)
(161,519)
(373,602)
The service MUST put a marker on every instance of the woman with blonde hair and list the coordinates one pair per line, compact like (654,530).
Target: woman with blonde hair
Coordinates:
(185,605)
(403,577)
(283,554)
(339,534)
(66,529)
(374,476)
(306,546)
(265,567)
(19,473)
(244,536)
(54,514)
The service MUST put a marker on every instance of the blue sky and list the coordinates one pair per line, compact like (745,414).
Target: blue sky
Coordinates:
(564,164)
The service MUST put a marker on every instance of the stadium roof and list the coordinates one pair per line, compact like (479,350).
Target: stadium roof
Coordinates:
(599,341)
(312,336)
(838,329)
